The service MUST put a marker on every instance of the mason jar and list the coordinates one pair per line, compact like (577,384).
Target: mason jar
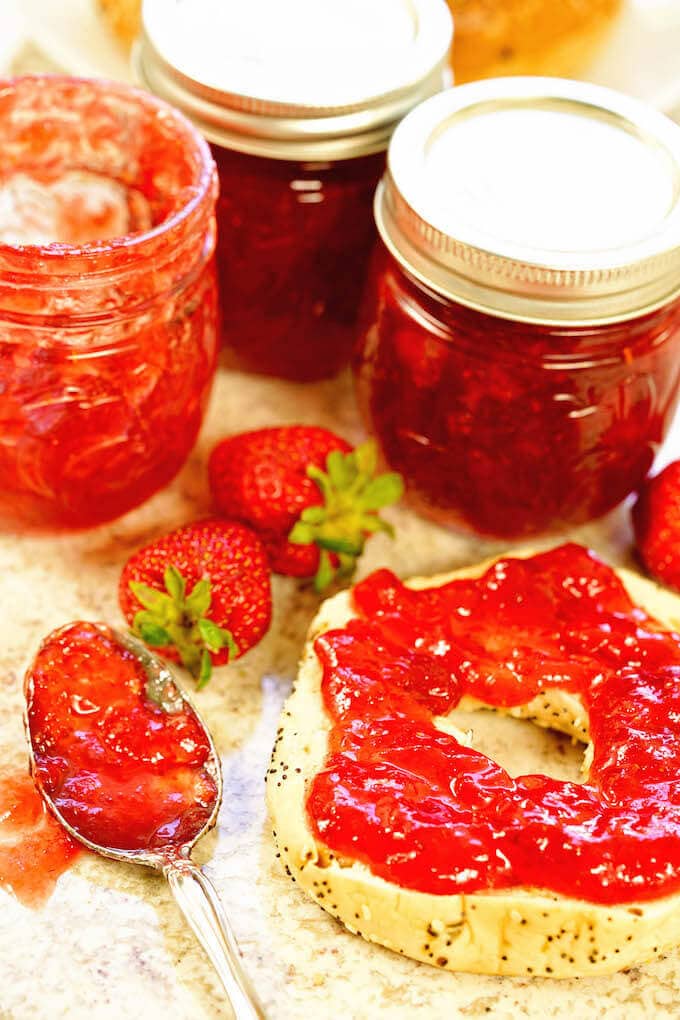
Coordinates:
(520,353)
(299,101)
(108,298)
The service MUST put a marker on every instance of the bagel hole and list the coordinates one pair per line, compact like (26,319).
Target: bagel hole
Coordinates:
(520,746)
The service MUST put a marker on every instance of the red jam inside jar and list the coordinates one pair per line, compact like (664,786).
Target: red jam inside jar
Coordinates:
(294,243)
(107,298)
(124,771)
(426,812)
(300,147)
(520,353)
(509,428)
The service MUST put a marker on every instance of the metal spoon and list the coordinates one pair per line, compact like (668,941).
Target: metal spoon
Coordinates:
(193,891)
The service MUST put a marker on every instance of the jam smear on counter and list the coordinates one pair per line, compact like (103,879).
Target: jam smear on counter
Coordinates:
(34,849)
(427,813)
(122,770)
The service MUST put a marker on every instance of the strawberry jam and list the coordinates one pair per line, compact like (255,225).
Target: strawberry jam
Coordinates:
(124,770)
(34,849)
(299,104)
(108,321)
(427,813)
(293,249)
(520,358)
(509,428)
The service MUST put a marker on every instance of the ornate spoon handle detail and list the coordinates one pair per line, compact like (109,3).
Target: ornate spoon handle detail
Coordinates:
(201,906)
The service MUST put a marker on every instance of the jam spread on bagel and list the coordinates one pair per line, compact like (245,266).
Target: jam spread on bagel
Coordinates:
(427,813)
(124,769)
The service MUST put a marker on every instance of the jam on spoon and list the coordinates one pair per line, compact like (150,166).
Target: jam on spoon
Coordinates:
(127,766)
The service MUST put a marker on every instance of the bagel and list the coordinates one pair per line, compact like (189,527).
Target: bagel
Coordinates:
(507,931)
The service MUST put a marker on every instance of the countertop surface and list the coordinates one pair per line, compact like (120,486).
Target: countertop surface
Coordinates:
(110,944)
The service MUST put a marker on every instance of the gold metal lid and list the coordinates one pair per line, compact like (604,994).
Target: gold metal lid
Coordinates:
(537,199)
(305,79)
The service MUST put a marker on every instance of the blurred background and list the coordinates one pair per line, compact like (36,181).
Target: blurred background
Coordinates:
(632,45)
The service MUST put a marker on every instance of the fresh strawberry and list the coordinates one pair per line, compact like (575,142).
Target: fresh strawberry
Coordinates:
(311,498)
(201,594)
(656,519)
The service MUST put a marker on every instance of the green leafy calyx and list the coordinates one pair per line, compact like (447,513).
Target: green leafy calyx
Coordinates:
(352,495)
(171,618)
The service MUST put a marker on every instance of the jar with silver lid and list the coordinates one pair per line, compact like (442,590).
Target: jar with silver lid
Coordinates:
(299,101)
(520,356)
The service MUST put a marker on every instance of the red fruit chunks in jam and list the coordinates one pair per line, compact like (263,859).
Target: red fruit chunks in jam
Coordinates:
(293,246)
(122,771)
(108,299)
(90,432)
(427,813)
(509,428)
(34,848)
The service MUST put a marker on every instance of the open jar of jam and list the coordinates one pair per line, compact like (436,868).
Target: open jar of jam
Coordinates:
(107,298)
(520,360)
(299,101)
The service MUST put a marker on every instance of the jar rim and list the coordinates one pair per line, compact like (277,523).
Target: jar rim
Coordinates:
(137,242)
(589,270)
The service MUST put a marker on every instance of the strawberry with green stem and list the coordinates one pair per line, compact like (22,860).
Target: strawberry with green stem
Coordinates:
(312,499)
(200,595)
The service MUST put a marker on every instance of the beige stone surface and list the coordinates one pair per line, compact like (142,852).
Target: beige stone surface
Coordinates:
(110,944)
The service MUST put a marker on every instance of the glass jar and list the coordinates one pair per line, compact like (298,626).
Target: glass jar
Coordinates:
(299,145)
(107,298)
(520,361)
(294,245)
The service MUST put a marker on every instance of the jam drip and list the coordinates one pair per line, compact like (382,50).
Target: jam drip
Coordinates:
(34,849)
(424,811)
(122,771)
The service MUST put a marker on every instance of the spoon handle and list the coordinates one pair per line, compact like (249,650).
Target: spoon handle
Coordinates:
(198,899)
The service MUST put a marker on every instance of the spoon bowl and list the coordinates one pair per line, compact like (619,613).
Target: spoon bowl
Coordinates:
(170,847)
